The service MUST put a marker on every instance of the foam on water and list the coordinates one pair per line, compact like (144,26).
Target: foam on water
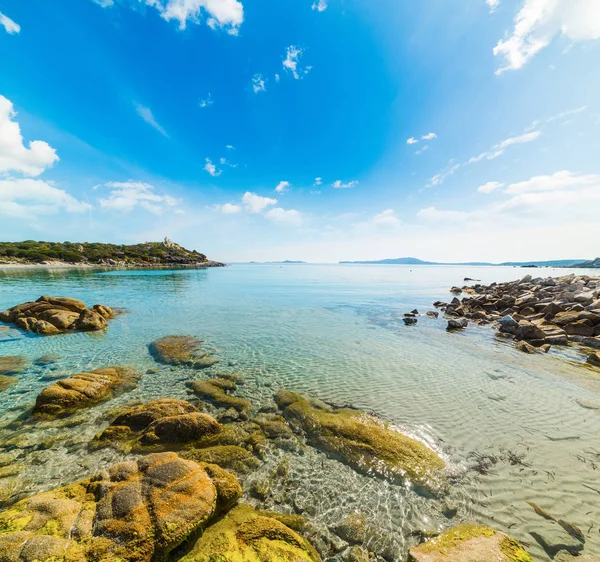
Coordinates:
(336,333)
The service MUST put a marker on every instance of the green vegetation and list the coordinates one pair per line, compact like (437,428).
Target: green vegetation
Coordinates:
(149,253)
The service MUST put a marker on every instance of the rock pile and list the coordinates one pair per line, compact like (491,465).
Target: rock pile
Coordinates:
(52,315)
(539,312)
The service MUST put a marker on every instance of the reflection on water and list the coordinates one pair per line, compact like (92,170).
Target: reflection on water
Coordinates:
(514,427)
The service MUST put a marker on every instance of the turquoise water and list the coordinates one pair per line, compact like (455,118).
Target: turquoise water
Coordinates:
(335,332)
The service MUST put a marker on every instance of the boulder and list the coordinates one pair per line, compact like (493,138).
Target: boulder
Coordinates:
(410,321)
(12,365)
(182,350)
(83,390)
(529,331)
(364,442)
(580,328)
(526,347)
(135,511)
(215,391)
(470,543)
(247,535)
(53,315)
(181,428)
(432,314)
(594,343)
(594,359)
(457,324)
(230,457)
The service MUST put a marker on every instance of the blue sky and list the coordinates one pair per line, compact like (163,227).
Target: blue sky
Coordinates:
(313,130)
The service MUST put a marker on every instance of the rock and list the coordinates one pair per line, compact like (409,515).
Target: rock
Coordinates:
(410,321)
(135,511)
(47,359)
(594,343)
(470,543)
(353,528)
(364,442)
(580,328)
(245,535)
(182,350)
(90,321)
(456,290)
(7,381)
(594,359)
(231,457)
(215,391)
(104,311)
(566,556)
(12,365)
(457,324)
(67,303)
(181,429)
(83,390)
(44,328)
(529,331)
(432,314)
(526,347)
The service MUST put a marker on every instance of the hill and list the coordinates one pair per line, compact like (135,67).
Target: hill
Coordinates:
(591,263)
(416,261)
(148,254)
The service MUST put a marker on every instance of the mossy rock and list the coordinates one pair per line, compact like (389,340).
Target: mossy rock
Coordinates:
(215,391)
(135,511)
(12,365)
(182,350)
(244,535)
(83,390)
(230,457)
(6,382)
(470,543)
(364,442)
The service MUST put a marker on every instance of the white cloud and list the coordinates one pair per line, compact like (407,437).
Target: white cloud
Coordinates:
(255,203)
(435,215)
(386,219)
(318,181)
(412,140)
(566,113)
(282,186)
(492,5)
(230,147)
(207,101)
(8,24)
(429,136)
(440,178)
(291,61)
(211,168)
(146,114)
(277,77)
(229,209)
(14,155)
(554,182)
(424,149)
(489,187)
(26,198)
(258,84)
(539,21)
(337,184)
(104,3)
(320,6)
(500,148)
(289,217)
(126,196)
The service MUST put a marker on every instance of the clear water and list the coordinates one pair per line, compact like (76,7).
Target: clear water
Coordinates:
(335,332)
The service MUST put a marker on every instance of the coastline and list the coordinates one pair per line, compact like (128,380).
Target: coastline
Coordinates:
(87,266)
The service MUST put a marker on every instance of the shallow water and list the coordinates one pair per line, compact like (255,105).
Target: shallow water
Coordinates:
(335,332)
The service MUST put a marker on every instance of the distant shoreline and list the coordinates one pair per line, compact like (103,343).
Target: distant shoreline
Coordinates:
(67,265)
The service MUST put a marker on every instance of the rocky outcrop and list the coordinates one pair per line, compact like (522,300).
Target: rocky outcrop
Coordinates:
(182,350)
(83,390)
(541,311)
(470,543)
(135,511)
(364,442)
(245,535)
(216,391)
(54,315)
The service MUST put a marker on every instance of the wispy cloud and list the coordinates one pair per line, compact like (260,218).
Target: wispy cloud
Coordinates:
(338,184)
(258,84)
(492,5)
(282,186)
(146,114)
(211,168)
(290,63)
(489,187)
(429,136)
(412,140)
(206,102)
(9,25)
(320,6)
(318,181)
(126,196)
(287,217)
(500,148)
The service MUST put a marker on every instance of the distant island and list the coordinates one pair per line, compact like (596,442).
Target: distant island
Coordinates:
(416,261)
(148,254)
(288,262)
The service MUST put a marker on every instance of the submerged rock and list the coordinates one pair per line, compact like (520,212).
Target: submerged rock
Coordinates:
(6,381)
(470,543)
(247,535)
(135,511)
(47,359)
(231,457)
(83,390)
(215,391)
(566,556)
(12,365)
(53,315)
(364,442)
(182,350)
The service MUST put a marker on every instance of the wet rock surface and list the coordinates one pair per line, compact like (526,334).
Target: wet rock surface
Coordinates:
(54,315)
(367,444)
(182,350)
(83,390)
(216,391)
(470,543)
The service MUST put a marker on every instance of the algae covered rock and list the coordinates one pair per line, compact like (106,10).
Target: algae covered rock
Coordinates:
(215,391)
(53,315)
(83,390)
(245,535)
(470,543)
(6,381)
(135,511)
(364,442)
(182,350)
(12,365)
(232,457)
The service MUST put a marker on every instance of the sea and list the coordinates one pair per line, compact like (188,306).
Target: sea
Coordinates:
(513,428)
